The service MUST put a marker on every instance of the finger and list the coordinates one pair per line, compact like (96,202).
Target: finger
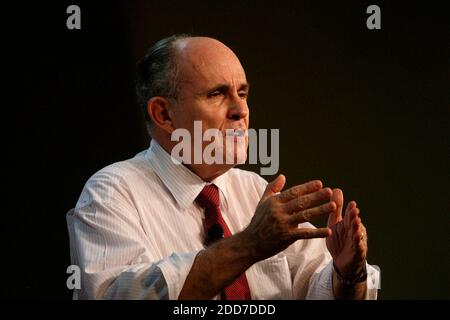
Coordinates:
(364,231)
(300,190)
(357,233)
(361,249)
(308,201)
(274,187)
(336,216)
(350,207)
(312,213)
(359,238)
(353,226)
(354,213)
(363,244)
(360,252)
(359,230)
(309,233)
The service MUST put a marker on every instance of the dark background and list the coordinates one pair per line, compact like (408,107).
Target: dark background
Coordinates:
(364,110)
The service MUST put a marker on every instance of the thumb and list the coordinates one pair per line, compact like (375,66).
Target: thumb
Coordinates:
(336,215)
(274,187)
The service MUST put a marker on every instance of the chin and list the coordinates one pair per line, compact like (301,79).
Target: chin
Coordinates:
(238,154)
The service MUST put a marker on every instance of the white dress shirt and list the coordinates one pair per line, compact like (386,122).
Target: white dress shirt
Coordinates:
(136,230)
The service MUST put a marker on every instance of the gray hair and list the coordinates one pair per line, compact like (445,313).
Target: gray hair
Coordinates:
(157,73)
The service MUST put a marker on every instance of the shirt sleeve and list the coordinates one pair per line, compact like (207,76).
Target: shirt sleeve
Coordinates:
(321,283)
(149,282)
(112,250)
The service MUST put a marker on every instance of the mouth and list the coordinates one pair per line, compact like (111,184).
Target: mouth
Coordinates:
(235,132)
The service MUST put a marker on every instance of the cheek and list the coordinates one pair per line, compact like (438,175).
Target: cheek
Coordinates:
(185,114)
(214,119)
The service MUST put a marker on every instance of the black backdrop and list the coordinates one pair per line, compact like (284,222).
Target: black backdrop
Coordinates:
(363,110)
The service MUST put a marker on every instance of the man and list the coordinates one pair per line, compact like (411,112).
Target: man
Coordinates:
(149,228)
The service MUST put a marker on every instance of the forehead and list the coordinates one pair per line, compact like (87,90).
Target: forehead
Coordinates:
(206,62)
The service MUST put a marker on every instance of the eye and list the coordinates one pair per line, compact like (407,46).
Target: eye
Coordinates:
(243,94)
(214,94)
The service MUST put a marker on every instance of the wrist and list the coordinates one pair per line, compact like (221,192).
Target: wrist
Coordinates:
(249,247)
(359,277)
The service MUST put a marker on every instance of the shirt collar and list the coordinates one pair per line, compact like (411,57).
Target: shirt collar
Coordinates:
(183,184)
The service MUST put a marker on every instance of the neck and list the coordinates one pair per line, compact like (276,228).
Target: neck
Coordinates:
(207,172)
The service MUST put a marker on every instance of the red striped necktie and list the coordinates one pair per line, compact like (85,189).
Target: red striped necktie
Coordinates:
(216,228)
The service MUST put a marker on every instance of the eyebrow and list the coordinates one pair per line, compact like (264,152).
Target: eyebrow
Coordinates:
(224,87)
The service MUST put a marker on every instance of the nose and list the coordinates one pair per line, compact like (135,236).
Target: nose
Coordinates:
(238,108)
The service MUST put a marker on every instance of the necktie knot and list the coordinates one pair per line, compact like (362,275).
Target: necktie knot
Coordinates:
(209,197)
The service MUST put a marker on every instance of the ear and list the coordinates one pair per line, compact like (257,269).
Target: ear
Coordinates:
(159,110)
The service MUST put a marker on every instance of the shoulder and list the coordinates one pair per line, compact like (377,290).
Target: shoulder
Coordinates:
(116,180)
(122,171)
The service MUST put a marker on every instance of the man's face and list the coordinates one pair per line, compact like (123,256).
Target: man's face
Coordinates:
(213,89)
